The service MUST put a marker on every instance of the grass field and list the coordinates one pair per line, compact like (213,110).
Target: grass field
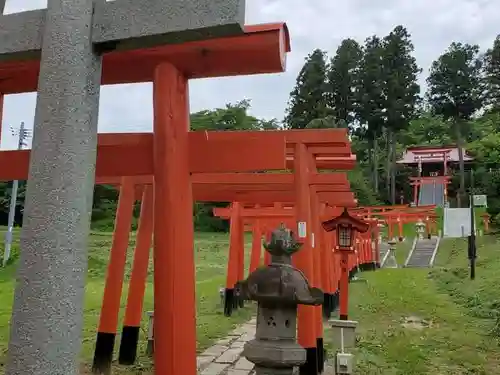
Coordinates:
(456,326)
(211,260)
(454,322)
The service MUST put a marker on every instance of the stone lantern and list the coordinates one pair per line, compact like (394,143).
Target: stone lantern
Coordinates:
(381,227)
(391,261)
(420,227)
(278,289)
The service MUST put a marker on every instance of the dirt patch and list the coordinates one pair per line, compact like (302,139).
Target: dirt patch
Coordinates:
(415,323)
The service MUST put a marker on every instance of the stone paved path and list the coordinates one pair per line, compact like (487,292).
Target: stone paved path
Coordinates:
(224,357)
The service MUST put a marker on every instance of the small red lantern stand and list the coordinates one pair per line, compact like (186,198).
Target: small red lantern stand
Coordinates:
(346,228)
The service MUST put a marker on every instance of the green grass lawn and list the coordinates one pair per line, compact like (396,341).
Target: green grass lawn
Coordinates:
(460,319)
(211,260)
(457,330)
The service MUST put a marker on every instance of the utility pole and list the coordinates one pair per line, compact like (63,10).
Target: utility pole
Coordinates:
(472,238)
(23,134)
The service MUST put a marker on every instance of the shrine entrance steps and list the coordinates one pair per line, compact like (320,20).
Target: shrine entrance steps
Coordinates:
(431,194)
(423,252)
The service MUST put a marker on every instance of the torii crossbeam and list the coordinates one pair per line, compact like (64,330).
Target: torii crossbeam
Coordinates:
(65,43)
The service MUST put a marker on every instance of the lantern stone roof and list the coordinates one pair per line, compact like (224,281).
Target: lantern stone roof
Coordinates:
(346,219)
(432,154)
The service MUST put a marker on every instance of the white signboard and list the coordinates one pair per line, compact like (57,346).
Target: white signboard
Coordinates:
(480,200)
(301,226)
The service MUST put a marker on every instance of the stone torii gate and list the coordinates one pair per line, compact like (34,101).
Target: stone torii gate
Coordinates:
(69,38)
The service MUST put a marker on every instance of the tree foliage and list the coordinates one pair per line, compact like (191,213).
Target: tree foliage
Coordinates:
(492,74)
(342,81)
(372,90)
(456,91)
(400,92)
(308,100)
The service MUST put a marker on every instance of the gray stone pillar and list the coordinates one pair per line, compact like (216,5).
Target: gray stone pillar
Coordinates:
(47,314)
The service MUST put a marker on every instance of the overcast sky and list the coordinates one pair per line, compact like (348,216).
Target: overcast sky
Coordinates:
(434,24)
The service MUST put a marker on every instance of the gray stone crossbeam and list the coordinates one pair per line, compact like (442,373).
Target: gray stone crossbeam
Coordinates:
(129,24)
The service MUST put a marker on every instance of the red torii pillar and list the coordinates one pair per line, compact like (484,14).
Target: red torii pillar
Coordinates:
(114,279)
(284,215)
(137,285)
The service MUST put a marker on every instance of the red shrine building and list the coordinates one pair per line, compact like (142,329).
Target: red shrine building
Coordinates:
(434,167)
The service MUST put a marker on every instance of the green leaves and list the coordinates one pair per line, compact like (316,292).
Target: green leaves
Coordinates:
(455,86)
(343,81)
(308,100)
(399,69)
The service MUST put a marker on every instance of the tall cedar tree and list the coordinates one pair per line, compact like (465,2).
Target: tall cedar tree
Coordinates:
(400,91)
(492,73)
(455,91)
(342,80)
(370,101)
(308,99)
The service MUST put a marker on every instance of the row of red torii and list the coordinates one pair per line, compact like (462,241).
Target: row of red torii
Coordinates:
(103,44)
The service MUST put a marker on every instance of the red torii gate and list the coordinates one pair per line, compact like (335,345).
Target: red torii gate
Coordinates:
(260,49)
(324,156)
(322,183)
(326,266)
(136,150)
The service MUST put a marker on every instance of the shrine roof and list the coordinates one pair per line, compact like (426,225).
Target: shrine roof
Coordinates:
(431,147)
(432,154)
(261,49)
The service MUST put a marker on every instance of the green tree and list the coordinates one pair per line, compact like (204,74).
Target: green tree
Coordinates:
(342,81)
(400,91)
(327,122)
(232,117)
(492,74)
(370,100)
(455,91)
(426,129)
(308,100)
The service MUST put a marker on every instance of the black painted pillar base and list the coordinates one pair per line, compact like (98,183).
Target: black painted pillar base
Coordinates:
(228,301)
(103,355)
(327,305)
(321,354)
(310,367)
(150,348)
(128,345)
(336,301)
(343,317)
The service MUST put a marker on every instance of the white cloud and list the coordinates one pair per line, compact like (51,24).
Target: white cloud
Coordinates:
(434,24)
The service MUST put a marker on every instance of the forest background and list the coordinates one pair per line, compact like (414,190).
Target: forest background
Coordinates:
(372,89)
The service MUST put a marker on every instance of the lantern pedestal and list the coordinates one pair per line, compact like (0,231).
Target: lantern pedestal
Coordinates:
(344,340)
(343,333)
